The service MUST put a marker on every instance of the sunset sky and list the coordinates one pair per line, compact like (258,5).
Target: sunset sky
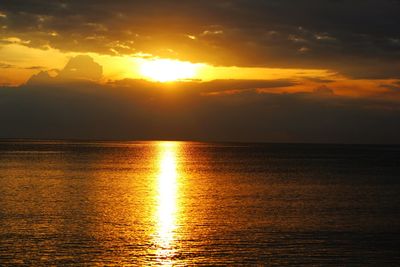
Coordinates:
(271,71)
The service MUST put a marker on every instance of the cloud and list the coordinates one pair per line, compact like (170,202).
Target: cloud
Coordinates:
(222,110)
(81,67)
(357,38)
(220,86)
(6,66)
(393,87)
(11,66)
(78,68)
(324,91)
(318,80)
(35,68)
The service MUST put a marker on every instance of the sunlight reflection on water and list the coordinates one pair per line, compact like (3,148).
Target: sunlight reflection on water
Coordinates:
(166,203)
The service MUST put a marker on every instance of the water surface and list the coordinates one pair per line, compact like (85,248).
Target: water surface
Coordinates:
(186,203)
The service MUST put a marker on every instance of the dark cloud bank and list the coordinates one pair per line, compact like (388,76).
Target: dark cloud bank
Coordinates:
(359,38)
(71,106)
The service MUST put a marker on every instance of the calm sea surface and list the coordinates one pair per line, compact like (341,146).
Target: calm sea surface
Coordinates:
(215,204)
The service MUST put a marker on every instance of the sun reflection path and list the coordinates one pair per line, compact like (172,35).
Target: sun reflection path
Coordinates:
(167,203)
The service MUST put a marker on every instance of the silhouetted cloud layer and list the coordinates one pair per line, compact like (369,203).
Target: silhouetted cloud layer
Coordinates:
(72,105)
(360,38)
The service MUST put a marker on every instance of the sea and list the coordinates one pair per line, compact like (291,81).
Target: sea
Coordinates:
(164,203)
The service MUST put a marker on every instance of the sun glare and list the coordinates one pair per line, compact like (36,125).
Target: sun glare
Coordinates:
(167,70)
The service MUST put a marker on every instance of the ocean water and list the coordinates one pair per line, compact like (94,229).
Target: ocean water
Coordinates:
(187,203)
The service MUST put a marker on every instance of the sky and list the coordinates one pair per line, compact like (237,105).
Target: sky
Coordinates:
(228,70)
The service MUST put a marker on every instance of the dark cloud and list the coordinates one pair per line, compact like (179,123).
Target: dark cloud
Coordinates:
(359,38)
(137,109)
(318,80)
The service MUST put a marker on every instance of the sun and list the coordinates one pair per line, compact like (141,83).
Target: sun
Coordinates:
(167,70)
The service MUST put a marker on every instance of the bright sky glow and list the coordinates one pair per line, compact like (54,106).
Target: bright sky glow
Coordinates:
(167,70)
